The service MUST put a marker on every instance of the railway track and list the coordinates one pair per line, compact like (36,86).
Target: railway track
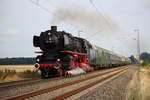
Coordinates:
(12,88)
(16,83)
(23,82)
(68,89)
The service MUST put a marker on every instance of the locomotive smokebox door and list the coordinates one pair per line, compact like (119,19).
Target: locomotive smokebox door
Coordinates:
(54,28)
(36,41)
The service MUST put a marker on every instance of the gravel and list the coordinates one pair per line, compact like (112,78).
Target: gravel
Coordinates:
(23,89)
(115,89)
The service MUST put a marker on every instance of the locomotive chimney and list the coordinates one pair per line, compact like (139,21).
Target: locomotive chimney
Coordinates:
(54,28)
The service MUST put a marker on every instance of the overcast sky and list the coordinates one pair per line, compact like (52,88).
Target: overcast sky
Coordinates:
(107,23)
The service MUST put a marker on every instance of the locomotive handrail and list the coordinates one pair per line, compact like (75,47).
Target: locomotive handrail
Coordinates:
(66,51)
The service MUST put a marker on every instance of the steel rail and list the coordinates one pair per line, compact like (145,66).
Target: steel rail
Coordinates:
(16,82)
(73,92)
(26,82)
(32,94)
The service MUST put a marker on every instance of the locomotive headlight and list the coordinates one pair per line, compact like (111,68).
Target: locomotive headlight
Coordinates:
(58,60)
(37,59)
(36,65)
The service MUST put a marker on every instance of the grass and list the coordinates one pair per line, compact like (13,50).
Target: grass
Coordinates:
(29,74)
(3,74)
(17,72)
(145,82)
(145,64)
(17,68)
(140,85)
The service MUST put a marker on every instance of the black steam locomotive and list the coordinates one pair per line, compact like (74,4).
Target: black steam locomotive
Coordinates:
(64,54)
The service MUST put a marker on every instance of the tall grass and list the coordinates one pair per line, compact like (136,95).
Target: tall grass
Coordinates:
(6,72)
(140,85)
(145,64)
(29,74)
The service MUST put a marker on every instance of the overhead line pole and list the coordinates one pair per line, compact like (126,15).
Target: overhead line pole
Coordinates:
(138,44)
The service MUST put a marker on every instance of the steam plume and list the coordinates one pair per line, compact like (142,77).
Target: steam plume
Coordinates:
(84,19)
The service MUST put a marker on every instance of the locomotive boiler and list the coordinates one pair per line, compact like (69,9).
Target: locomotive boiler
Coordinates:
(63,54)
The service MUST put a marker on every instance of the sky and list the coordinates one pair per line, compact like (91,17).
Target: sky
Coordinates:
(109,24)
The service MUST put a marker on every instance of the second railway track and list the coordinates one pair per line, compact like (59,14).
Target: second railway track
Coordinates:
(70,88)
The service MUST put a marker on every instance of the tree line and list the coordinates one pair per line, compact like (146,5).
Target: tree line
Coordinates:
(145,57)
(17,61)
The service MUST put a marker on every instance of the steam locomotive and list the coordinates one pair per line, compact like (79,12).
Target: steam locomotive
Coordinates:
(63,54)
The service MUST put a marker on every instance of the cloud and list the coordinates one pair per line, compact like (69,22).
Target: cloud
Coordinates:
(10,31)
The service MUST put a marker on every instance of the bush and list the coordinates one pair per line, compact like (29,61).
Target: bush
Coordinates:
(145,64)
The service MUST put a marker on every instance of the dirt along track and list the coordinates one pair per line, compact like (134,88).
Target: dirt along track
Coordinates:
(67,87)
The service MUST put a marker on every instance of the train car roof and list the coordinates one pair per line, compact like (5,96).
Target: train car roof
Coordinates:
(107,51)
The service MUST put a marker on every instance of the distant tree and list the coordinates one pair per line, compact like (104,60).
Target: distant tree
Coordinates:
(145,56)
(133,59)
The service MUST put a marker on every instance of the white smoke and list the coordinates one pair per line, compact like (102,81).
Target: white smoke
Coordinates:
(81,18)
